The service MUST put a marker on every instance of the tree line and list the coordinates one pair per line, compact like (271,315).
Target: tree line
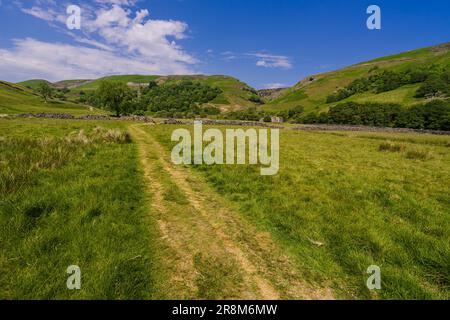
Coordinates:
(433,115)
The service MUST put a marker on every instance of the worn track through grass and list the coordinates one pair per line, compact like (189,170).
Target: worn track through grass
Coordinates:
(213,253)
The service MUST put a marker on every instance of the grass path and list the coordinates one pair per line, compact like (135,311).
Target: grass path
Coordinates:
(212,253)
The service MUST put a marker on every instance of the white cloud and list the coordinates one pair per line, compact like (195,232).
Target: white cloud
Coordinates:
(274,85)
(262,59)
(31,58)
(40,13)
(271,61)
(120,2)
(113,40)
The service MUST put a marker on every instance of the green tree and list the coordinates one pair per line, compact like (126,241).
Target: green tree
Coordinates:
(114,96)
(45,90)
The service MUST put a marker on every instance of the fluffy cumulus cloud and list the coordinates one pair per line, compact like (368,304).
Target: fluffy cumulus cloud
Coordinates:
(115,38)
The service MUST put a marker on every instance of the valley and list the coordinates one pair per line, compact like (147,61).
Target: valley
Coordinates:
(361,178)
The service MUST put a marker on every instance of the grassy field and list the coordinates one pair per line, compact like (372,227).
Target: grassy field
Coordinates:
(73,195)
(83,193)
(345,201)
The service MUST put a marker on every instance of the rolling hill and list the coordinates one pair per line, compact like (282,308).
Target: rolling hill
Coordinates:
(235,94)
(312,92)
(16,99)
(33,84)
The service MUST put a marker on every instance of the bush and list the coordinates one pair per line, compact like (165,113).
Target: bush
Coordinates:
(267,119)
(256,99)
(139,113)
(418,155)
(392,147)
(437,85)
(250,114)
(310,118)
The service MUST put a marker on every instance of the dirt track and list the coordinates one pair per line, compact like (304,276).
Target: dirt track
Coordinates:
(208,244)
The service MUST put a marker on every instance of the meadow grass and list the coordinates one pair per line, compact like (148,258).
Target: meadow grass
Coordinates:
(73,194)
(364,206)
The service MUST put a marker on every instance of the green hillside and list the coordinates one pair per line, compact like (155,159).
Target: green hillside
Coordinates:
(235,94)
(312,92)
(34,83)
(88,85)
(16,99)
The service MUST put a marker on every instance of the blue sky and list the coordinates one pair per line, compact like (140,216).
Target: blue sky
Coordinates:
(265,43)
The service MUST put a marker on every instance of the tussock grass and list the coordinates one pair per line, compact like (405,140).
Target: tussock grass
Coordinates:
(392,147)
(419,154)
(216,277)
(21,157)
(68,199)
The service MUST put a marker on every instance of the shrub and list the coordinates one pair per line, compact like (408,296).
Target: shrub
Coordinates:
(139,113)
(418,155)
(310,118)
(437,85)
(116,136)
(267,119)
(256,99)
(392,147)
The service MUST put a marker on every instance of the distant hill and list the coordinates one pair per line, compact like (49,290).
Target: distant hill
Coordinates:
(271,94)
(34,83)
(235,94)
(312,92)
(16,99)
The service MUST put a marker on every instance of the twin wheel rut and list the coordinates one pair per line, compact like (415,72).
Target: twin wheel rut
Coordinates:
(210,252)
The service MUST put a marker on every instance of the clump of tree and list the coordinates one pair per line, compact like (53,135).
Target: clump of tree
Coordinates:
(434,115)
(255,98)
(45,90)
(254,114)
(435,81)
(60,94)
(436,85)
(369,114)
(249,114)
(180,99)
(116,97)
